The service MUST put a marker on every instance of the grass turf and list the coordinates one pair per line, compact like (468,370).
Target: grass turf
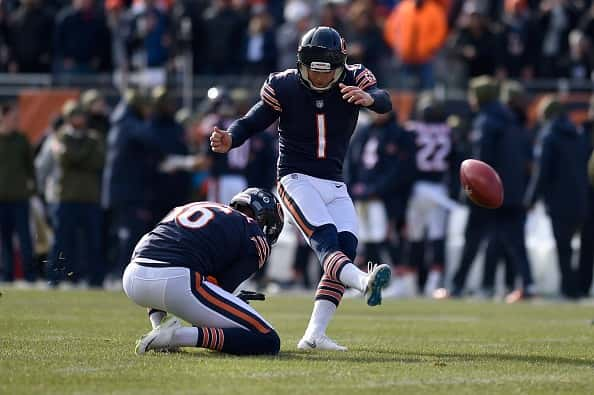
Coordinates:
(82,342)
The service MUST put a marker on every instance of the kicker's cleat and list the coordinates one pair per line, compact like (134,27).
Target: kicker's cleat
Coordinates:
(158,338)
(322,343)
(378,279)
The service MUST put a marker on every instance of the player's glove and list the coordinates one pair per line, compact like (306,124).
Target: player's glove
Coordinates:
(246,296)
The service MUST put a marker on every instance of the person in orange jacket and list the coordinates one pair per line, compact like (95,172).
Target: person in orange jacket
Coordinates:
(416,30)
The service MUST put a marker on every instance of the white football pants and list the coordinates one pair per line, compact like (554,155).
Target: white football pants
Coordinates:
(186,294)
(311,202)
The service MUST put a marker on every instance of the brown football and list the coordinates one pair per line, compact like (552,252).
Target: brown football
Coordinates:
(481,183)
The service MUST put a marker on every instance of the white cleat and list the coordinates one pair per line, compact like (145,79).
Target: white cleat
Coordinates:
(322,343)
(378,279)
(158,338)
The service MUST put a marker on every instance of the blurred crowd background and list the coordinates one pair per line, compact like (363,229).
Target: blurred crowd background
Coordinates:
(410,42)
(107,107)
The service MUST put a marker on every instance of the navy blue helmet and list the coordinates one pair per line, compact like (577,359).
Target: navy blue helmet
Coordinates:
(321,49)
(265,209)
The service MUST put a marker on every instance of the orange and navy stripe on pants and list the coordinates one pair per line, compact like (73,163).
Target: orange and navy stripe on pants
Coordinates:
(226,308)
(330,290)
(304,225)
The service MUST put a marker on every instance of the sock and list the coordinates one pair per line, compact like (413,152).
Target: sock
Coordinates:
(321,315)
(237,341)
(329,291)
(353,277)
(185,337)
(155,316)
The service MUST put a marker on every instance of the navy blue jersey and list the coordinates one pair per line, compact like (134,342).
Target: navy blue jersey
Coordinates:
(314,127)
(210,238)
(433,154)
(261,168)
(379,159)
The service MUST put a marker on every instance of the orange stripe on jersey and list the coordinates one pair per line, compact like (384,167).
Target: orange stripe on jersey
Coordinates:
(270,99)
(301,222)
(270,93)
(231,310)
(367,84)
(269,88)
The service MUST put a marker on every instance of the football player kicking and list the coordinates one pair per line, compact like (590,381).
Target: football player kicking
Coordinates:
(317,105)
(189,264)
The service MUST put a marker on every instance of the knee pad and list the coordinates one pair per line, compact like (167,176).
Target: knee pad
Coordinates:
(348,244)
(324,240)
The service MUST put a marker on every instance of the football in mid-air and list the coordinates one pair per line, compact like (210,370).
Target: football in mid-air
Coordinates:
(481,183)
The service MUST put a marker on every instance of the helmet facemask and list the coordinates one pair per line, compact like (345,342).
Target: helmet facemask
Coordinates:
(321,60)
(264,208)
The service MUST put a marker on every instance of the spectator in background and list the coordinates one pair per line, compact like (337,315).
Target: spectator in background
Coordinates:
(150,40)
(260,171)
(416,30)
(17,184)
(580,61)
(170,189)
(227,171)
(512,96)
(513,158)
(332,13)
(82,42)
(79,155)
(119,22)
(561,180)
(131,161)
(377,175)
(29,38)
(96,110)
(586,23)
(586,261)
(297,22)
(224,29)
(493,129)
(364,37)
(259,50)
(556,19)
(475,44)
(518,41)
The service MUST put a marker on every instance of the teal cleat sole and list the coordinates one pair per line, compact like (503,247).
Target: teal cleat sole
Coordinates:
(378,280)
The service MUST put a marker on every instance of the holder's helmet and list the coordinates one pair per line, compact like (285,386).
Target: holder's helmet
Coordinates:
(265,209)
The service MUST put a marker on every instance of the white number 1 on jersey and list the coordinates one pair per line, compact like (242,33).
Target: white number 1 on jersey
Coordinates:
(321,128)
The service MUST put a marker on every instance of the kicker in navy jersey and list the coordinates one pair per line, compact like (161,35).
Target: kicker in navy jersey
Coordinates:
(317,105)
(314,127)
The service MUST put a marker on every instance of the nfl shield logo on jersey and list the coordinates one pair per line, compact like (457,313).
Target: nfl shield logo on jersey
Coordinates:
(320,104)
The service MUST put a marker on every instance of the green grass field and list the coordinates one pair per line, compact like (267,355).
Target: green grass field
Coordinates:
(81,342)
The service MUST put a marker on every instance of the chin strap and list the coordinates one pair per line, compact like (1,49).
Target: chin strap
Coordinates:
(303,72)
